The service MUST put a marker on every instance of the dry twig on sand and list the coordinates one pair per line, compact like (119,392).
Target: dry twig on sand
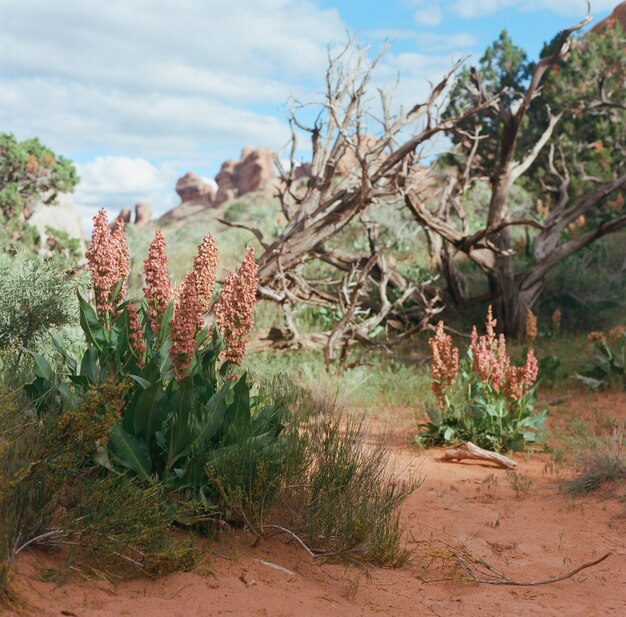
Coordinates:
(481,572)
(470,451)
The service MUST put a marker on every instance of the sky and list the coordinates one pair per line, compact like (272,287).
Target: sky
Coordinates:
(139,92)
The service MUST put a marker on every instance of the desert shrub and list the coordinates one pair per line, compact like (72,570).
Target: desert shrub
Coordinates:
(328,483)
(348,504)
(600,462)
(36,296)
(485,398)
(53,492)
(608,367)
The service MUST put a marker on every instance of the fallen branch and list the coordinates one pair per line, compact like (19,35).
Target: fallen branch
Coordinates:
(275,566)
(471,451)
(294,536)
(505,580)
(481,572)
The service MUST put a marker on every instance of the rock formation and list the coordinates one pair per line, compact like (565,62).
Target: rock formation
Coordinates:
(617,16)
(193,189)
(235,178)
(143,213)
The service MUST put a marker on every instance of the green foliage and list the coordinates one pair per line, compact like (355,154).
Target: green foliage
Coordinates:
(608,367)
(600,462)
(588,86)
(36,297)
(53,493)
(29,172)
(504,67)
(591,132)
(475,411)
(347,504)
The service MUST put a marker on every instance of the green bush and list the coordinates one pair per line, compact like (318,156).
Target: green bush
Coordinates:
(53,493)
(36,296)
(608,368)
(599,462)
(485,398)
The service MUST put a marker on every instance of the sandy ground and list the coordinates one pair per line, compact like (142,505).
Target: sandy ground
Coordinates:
(532,536)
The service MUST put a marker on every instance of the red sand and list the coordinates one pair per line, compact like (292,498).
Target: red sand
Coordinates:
(537,536)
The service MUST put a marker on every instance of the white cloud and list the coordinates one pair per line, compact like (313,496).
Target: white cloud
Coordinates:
(116,182)
(159,78)
(428,16)
(575,9)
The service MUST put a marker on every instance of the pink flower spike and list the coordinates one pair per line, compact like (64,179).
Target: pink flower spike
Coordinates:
(205,265)
(107,260)
(135,334)
(234,309)
(157,287)
(187,322)
(445,364)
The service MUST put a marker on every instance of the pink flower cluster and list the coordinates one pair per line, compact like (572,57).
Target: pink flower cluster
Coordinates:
(520,378)
(157,287)
(108,262)
(493,365)
(193,298)
(234,308)
(491,360)
(135,334)
(445,364)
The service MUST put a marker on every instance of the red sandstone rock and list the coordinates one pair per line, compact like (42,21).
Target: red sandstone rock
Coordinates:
(193,189)
(143,213)
(617,16)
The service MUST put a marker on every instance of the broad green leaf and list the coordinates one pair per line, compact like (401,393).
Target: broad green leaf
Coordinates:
(144,383)
(240,407)
(149,412)
(183,416)
(165,323)
(590,382)
(42,366)
(130,452)
(492,410)
(434,415)
(214,419)
(93,329)
(60,347)
(449,434)
(89,364)
(477,411)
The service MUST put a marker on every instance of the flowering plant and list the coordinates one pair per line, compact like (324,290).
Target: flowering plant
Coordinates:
(485,398)
(609,365)
(177,354)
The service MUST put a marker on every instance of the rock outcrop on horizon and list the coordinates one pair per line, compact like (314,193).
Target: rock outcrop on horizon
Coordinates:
(194,190)
(143,215)
(235,178)
(617,16)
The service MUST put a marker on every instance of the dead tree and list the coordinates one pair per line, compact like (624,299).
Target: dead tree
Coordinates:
(384,148)
(490,248)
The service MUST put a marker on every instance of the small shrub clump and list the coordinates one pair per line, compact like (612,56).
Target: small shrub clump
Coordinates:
(485,398)
(608,368)
(599,464)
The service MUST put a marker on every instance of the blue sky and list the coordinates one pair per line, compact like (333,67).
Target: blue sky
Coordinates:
(138,93)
